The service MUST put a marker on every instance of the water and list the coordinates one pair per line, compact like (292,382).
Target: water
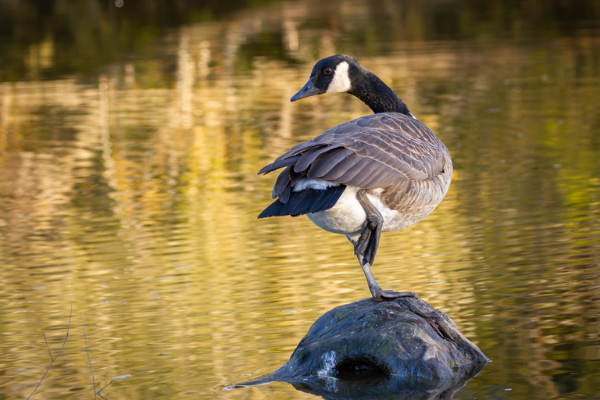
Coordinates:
(128,165)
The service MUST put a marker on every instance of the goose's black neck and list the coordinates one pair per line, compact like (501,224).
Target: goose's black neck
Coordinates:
(377,95)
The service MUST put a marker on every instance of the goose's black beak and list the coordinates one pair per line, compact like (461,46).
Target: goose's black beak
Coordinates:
(307,90)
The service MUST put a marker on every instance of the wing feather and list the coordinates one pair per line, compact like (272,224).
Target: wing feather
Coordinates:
(371,152)
(306,159)
(352,175)
(323,165)
(344,166)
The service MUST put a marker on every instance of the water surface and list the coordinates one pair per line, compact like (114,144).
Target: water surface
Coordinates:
(129,172)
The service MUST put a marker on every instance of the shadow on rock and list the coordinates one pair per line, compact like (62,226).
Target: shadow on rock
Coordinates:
(394,349)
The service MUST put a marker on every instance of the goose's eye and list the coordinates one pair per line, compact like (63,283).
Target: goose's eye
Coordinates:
(328,71)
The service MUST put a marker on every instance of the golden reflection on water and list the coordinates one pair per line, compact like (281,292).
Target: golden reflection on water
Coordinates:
(140,189)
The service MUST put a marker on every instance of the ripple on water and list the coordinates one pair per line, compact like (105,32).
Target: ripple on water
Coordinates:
(140,189)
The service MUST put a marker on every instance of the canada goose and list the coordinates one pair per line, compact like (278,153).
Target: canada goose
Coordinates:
(378,173)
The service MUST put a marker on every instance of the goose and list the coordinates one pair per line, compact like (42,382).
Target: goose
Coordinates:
(379,173)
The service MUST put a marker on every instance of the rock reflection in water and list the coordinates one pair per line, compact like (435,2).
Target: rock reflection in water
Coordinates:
(380,387)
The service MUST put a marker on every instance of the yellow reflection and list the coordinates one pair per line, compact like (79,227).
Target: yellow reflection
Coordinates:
(141,189)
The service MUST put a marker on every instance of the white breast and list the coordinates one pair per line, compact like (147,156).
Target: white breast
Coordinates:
(347,216)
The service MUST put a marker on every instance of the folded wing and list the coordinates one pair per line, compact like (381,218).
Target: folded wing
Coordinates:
(371,152)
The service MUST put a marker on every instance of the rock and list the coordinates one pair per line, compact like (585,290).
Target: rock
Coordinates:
(394,346)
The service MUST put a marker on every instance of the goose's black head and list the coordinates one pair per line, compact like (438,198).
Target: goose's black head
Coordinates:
(331,75)
(343,74)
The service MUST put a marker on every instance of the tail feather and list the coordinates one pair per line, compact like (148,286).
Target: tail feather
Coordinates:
(304,202)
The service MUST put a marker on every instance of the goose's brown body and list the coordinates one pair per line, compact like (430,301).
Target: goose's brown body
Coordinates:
(405,168)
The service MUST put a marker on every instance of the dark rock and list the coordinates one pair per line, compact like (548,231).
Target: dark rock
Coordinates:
(371,349)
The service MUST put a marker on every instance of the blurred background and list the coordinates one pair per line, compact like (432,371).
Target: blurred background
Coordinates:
(131,133)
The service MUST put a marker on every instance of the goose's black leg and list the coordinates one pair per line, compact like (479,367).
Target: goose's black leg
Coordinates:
(366,246)
(368,242)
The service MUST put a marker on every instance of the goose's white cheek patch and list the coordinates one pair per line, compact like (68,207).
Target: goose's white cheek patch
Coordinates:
(341,81)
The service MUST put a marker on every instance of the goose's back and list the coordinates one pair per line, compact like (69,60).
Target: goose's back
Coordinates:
(372,152)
